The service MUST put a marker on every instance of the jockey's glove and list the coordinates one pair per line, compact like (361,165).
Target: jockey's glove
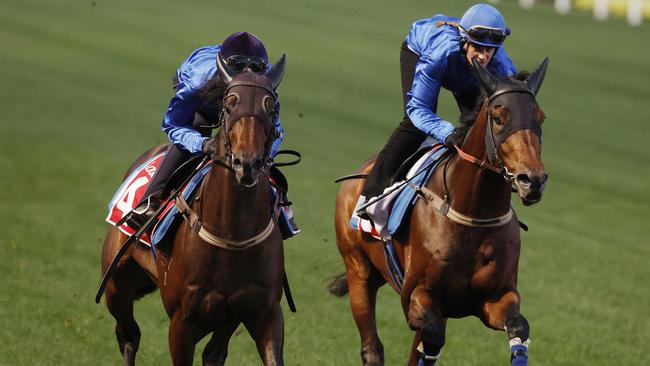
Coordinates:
(456,137)
(210,146)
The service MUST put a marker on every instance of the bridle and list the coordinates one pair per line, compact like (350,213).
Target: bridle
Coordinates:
(265,111)
(227,119)
(492,141)
(259,110)
(494,164)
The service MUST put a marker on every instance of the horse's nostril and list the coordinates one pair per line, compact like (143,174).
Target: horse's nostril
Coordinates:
(258,164)
(523,179)
(237,162)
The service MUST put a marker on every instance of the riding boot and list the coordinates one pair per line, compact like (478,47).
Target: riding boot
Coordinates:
(288,226)
(143,212)
(156,192)
(376,213)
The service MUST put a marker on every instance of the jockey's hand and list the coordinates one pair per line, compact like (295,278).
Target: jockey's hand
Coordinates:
(210,146)
(456,137)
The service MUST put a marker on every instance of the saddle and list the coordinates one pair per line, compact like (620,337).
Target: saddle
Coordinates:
(394,209)
(404,168)
(135,185)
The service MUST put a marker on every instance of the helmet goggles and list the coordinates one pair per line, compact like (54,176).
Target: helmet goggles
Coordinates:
(240,63)
(485,35)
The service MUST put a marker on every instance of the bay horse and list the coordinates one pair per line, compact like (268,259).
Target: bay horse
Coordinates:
(225,264)
(459,253)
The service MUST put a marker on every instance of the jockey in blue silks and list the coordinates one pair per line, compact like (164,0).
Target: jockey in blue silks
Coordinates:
(195,105)
(437,54)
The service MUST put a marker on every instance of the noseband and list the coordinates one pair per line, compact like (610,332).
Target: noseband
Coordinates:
(255,108)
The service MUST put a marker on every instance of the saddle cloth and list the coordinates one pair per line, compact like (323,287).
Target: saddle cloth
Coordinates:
(390,212)
(135,185)
(131,192)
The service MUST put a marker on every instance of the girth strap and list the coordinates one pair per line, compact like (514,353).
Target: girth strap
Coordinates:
(443,207)
(195,224)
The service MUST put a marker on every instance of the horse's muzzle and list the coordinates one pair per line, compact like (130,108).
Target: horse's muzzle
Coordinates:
(247,170)
(530,186)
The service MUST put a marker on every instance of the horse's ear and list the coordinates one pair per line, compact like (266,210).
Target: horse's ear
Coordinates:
(277,72)
(535,78)
(488,80)
(224,70)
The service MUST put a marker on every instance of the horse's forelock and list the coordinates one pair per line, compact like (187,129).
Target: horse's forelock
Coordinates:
(252,77)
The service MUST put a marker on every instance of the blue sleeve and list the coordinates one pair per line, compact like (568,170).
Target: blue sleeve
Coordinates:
(422,100)
(278,139)
(177,122)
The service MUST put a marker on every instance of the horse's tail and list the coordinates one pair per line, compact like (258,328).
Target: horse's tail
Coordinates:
(339,285)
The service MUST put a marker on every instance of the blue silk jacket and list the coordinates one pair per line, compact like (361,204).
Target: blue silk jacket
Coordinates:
(442,64)
(193,73)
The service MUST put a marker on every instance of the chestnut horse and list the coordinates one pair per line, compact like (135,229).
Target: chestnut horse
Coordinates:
(227,266)
(459,254)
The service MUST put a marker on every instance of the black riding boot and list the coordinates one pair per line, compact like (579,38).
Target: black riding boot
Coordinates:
(154,195)
(404,141)
(288,226)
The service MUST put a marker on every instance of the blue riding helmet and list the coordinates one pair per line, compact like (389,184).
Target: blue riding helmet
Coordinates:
(243,50)
(482,24)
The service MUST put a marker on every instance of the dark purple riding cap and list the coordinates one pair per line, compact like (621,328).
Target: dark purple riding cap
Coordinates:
(243,44)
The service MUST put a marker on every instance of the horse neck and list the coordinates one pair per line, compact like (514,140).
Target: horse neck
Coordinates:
(473,191)
(230,210)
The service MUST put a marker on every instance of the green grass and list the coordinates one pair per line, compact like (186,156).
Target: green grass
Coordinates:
(84,86)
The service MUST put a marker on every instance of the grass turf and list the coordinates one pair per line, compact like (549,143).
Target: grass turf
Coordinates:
(85,84)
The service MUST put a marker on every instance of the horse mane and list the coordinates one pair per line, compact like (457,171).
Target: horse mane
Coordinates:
(465,125)
(213,91)
(522,75)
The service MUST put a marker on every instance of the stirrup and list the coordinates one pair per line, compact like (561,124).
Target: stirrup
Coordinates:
(140,214)
(362,213)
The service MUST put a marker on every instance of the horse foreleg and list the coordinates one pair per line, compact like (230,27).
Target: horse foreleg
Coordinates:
(363,282)
(216,350)
(267,329)
(504,314)
(431,327)
(182,340)
(415,355)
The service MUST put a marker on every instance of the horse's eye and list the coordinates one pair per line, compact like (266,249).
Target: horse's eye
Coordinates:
(497,120)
